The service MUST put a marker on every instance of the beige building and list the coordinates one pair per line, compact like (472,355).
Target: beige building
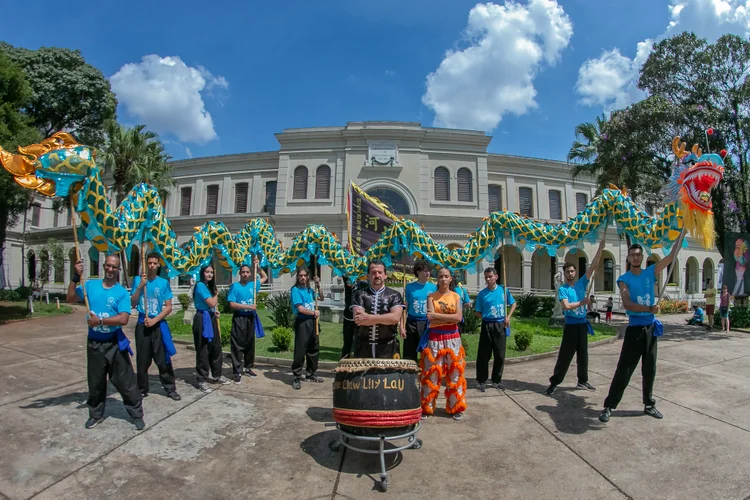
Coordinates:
(444,179)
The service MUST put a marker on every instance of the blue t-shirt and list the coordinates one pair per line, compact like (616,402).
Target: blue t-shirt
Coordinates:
(157,291)
(641,290)
(698,314)
(105,303)
(302,297)
(491,303)
(201,294)
(574,293)
(243,294)
(461,291)
(416,299)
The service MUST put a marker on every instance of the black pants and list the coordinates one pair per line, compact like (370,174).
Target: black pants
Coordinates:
(149,347)
(350,327)
(242,342)
(574,341)
(639,342)
(105,359)
(306,345)
(491,342)
(207,352)
(384,349)
(414,330)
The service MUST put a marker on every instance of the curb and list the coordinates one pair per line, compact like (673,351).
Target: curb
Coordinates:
(333,364)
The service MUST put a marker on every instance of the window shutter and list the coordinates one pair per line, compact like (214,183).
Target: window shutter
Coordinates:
(300,183)
(212,199)
(555,205)
(465,191)
(495,197)
(581,202)
(36,214)
(186,194)
(525,199)
(240,197)
(270,206)
(442,184)
(323,183)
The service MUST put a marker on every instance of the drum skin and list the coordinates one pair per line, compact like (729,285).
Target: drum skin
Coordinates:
(372,396)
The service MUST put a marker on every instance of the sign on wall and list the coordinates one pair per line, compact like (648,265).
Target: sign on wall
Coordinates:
(382,152)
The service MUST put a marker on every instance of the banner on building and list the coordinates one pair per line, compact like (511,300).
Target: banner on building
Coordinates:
(368,218)
(736,270)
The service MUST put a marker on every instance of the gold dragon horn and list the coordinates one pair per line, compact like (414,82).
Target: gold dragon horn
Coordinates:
(697,151)
(679,148)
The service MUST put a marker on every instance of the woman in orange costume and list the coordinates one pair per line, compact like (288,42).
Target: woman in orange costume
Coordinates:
(444,357)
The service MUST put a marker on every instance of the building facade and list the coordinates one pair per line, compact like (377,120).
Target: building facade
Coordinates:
(443,179)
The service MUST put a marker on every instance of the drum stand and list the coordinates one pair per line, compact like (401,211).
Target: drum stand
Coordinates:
(345,439)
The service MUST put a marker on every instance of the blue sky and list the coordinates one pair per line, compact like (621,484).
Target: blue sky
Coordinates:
(223,77)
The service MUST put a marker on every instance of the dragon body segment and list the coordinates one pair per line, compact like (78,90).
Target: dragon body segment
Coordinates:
(59,166)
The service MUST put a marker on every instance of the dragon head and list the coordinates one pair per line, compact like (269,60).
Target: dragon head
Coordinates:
(694,176)
(52,166)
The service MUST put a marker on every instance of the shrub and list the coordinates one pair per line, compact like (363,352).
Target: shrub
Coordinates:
(184,300)
(739,317)
(472,323)
(465,345)
(262,299)
(226,335)
(223,304)
(11,296)
(523,339)
(546,307)
(281,337)
(528,305)
(668,306)
(280,305)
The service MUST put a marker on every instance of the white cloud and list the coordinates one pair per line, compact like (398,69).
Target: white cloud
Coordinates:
(506,46)
(610,80)
(188,153)
(166,95)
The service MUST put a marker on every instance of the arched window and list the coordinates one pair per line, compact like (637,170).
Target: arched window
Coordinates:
(323,182)
(495,193)
(393,200)
(526,201)
(581,201)
(442,184)
(300,183)
(555,204)
(465,185)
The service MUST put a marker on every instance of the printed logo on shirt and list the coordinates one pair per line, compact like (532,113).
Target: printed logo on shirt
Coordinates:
(419,306)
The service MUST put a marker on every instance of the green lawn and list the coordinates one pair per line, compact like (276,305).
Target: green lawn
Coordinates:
(11,311)
(545,338)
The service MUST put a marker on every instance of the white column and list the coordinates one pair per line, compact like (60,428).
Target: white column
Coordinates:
(482,182)
(542,207)
(227,191)
(526,274)
(512,195)
(198,207)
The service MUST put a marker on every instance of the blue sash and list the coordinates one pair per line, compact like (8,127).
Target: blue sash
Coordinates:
(208,324)
(122,342)
(166,338)
(259,332)
(425,338)
(658,328)
(589,328)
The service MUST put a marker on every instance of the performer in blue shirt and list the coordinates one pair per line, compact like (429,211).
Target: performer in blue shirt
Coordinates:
(242,301)
(572,295)
(306,341)
(490,306)
(206,333)
(416,308)
(107,349)
(638,290)
(156,292)
(460,289)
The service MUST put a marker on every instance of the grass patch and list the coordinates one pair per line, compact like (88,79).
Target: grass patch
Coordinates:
(13,311)
(546,338)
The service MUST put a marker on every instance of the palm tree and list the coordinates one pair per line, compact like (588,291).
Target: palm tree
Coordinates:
(135,155)
(584,152)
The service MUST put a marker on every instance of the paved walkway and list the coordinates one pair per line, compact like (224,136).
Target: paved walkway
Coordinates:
(263,440)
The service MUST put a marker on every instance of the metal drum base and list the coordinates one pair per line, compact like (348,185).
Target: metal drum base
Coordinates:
(346,439)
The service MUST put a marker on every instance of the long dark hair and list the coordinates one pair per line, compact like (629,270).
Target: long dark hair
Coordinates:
(307,271)
(210,284)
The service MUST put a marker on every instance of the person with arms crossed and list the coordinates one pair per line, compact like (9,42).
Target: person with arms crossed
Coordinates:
(206,333)
(490,306)
(153,340)
(108,350)
(638,289)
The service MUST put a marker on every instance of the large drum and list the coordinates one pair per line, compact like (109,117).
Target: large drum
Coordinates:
(376,396)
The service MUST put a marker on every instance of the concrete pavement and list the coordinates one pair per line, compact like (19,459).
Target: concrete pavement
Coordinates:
(262,439)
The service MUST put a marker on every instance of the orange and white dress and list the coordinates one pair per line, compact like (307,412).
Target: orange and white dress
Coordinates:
(443,358)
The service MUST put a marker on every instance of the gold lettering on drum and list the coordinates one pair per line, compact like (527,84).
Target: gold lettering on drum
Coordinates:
(368,384)
(393,384)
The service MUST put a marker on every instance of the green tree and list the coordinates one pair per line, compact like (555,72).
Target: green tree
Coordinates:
(67,93)
(15,130)
(585,149)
